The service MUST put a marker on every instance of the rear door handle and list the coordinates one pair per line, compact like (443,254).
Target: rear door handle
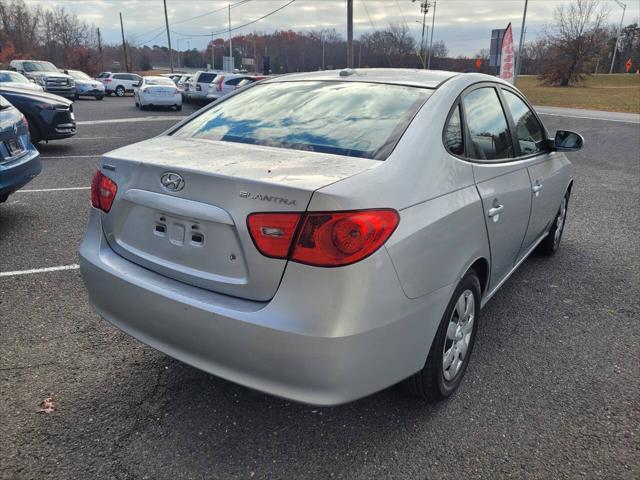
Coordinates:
(495,210)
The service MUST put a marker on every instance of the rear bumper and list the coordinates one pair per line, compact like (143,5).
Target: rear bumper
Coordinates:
(314,342)
(16,174)
(161,101)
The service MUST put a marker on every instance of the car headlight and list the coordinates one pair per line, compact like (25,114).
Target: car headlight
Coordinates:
(72,83)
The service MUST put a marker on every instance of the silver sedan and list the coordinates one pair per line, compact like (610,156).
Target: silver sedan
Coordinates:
(322,236)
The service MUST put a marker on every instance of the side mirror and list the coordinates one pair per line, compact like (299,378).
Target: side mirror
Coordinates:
(568,141)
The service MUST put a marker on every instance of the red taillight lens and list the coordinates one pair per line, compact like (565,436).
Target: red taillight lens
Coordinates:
(103,191)
(328,239)
(220,80)
(107,80)
(272,233)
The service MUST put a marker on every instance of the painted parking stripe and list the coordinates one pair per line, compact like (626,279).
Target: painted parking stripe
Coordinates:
(587,118)
(70,156)
(158,118)
(40,270)
(38,190)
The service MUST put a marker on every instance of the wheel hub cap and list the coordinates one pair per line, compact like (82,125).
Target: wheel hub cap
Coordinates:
(459,330)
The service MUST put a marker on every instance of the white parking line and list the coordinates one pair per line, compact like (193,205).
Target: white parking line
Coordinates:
(37,190)
(40,270)
(71,156)
(586,118)
(157,118)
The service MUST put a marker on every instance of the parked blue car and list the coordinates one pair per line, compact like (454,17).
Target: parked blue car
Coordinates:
(19,159)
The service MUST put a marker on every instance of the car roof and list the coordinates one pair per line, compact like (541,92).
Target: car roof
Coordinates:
(399,76)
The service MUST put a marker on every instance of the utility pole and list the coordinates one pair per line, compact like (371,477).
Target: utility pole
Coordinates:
(519,57)
(424,9)
(166,20)
(100,49)
(124,45)
(433,23)
(230,43)
(615,49)
(349,33)
(213,58)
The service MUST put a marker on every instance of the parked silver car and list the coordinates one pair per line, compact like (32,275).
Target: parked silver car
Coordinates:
(322,236)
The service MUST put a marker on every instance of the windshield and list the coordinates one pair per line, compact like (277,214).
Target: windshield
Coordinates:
(39,67)
(13,77)
(158,81)
(345,118)
(79,75)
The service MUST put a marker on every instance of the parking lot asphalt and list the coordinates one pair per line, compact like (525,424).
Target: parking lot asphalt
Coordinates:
(551,391)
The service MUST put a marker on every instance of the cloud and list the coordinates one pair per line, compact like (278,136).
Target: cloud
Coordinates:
(464,25)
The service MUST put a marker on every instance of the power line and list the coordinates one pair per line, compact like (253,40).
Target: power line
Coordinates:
(233,5)
(235,28)
(368,15)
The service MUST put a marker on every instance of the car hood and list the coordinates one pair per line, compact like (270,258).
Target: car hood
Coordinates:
(42,97)
(49,75)
(23,86)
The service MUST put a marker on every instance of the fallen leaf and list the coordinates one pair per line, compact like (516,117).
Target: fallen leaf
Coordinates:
(47,405)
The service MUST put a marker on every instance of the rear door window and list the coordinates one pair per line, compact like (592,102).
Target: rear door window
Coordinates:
(234,81)
(345,118)
(528,130)
(490,138)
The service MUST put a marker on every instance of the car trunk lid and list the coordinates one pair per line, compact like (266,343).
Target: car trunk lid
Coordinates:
(193,228)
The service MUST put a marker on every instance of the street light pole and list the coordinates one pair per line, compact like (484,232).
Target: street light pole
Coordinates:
(615,49)
(519,58)
(433,23)
(230,43)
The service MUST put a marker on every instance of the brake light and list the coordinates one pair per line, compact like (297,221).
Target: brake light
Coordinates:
(103,191)
(220,80)
(327,239)
(107,80)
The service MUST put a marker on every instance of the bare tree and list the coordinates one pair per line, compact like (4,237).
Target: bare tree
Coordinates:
(574,40)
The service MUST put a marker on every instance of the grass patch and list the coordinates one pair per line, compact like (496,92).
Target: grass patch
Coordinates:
(614,93)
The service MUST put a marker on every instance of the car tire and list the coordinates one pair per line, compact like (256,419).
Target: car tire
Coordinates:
(456,334)
(551,242)
(120,91)
(34,132)
(143,107)
(178,108)
(76,96)
(99,97)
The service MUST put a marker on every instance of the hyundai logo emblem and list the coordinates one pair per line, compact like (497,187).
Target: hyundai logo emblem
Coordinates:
(172,181)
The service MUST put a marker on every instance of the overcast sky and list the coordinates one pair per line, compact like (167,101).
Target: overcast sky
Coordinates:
(464,25)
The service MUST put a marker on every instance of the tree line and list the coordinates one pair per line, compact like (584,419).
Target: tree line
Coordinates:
(578,42)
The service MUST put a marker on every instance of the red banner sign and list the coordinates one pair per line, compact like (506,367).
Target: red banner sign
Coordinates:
(506,64)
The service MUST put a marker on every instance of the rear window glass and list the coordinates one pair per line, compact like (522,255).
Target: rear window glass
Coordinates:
(207,77)
(159,81)
(344,118)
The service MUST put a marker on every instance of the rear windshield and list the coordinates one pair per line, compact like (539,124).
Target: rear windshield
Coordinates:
(344,118)
(207,77)
(158,81)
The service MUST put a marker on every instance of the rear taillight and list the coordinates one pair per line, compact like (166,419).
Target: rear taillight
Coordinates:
(220,80)
(103,191)
(107,80)
(327,239)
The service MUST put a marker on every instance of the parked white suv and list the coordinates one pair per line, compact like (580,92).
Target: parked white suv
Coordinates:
(199,85)
(119,83)
(228,82)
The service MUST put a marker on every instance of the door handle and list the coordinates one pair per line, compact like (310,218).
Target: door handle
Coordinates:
(495,210)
